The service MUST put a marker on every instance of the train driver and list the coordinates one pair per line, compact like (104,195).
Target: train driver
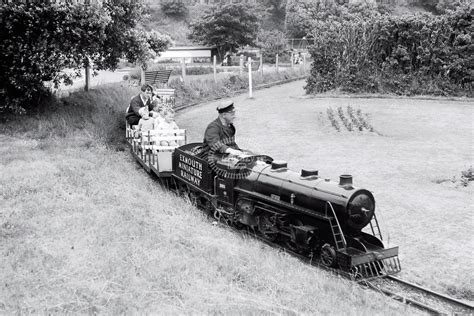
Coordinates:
(219,134)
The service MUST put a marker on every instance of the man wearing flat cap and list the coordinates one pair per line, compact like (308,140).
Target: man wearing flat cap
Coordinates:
(219,134)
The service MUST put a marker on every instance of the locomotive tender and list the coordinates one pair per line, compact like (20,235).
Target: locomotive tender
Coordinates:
(333,222)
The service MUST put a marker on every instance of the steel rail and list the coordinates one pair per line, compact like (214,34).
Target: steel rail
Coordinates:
(434,293)
(397,297)
(405,300)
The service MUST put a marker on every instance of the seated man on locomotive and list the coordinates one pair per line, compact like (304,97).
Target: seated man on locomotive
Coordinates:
(144,99)
(219,134)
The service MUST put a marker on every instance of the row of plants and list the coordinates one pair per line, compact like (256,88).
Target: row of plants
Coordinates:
(352,120)
(421,54)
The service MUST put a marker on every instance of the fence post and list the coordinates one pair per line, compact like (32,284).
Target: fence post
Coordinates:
(292,59)
(250,77)
(183,69)
(142,76)
(261,65)
(304,62)
(88,74)
(214,62)
(276,62)
(241,64)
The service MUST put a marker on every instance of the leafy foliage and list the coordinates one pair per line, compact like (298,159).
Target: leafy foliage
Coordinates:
(303,15)
(275,13)
(421,54)
(226,27)
(174,8)
(38,42)
(271,43)
(439,6)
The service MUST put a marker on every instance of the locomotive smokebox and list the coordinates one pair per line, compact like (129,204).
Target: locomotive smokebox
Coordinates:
(345,179)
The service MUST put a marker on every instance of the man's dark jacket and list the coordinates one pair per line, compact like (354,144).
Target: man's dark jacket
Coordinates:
(218,138)
(136,103)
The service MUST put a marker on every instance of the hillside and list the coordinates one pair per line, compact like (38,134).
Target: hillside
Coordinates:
(178,28)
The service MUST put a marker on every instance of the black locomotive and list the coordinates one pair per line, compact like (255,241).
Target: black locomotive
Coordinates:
(333,222)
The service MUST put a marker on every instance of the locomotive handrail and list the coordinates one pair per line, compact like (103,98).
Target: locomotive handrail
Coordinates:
(337,222)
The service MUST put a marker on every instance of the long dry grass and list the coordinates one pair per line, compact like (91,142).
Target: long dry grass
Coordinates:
(85,230)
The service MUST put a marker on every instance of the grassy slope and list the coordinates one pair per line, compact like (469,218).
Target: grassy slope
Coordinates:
(84,229)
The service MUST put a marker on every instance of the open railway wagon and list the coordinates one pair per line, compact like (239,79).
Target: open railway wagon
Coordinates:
(304,212)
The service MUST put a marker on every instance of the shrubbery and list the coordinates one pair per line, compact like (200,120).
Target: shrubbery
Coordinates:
(174,8)
(39,41)
(420,54)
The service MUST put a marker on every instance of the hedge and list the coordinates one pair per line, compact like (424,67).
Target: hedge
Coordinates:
(421,54)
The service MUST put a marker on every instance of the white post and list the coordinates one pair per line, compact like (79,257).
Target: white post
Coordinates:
(250,77)
(292,57)
(276,62)
(142,76)
(183,69)
(261,65)
(214,62)
(241,64)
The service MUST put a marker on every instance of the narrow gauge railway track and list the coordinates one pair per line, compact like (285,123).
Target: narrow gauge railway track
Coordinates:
(419,296)
(402,291)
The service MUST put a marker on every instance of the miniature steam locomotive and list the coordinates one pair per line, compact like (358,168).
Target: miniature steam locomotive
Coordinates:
(333,222)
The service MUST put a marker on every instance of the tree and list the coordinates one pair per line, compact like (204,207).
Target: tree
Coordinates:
(226,27)
(174,8)
(271,43)
(276,12)
(37,42)
(303,15)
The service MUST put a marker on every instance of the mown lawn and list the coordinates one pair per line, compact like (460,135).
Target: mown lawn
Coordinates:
(412,162)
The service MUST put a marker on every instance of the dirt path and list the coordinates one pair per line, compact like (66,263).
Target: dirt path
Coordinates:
(410,161)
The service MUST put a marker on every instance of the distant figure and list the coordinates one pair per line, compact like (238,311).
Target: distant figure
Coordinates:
(227,60)
(299,58)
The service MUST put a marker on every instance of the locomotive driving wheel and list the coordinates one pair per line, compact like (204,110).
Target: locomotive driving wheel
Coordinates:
(328,255)
(267,227)
(290,242)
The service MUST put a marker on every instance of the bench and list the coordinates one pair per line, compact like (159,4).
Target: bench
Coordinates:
(158,77)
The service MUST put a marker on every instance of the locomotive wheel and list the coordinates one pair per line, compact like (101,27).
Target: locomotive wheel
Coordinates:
(328,255)
(267,228)
(289,242)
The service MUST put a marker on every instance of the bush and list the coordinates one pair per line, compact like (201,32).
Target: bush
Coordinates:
(421,54)
(174,8)
(38,42)
(271,43)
